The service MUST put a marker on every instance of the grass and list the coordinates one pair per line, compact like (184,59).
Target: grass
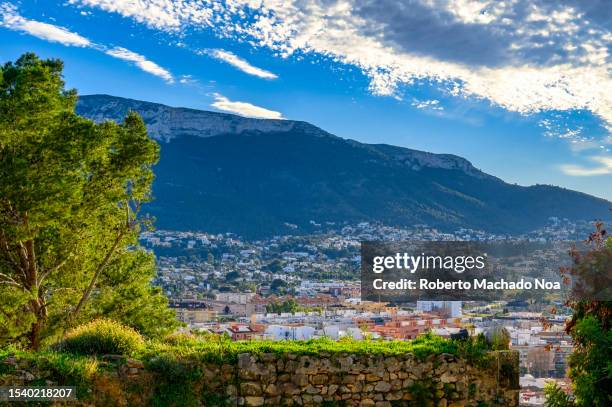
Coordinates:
(222,350)
(214,348)
(176,362)
(62,365)
(62,368)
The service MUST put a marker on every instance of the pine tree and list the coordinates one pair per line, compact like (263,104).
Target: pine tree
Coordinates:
(71,193)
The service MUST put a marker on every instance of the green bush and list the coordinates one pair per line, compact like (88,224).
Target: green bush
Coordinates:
(221,349)
(555,396)
(181,338)
(175,382)
(100,337)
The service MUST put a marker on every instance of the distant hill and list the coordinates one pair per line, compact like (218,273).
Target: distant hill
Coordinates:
(225,173)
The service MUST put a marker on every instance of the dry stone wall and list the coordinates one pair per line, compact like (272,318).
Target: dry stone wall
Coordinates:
(268,379)
(440,380)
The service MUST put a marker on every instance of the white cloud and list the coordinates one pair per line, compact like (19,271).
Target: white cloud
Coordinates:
(161,14)
(12,20)
(429,104)
(141,62)
(239,63)
(604,167)
(48,32)
(522,55)
(187,80)
(244,108)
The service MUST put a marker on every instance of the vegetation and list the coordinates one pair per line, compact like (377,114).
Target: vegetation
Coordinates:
(555,396)
(71,192)
(179,362)
(62,368)
(107,337)
(278,307)
(279,286)
(223,350)
(100,337)
(589,365)
(499,338)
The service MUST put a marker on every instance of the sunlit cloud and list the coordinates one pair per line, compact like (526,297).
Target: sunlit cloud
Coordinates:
(11,19)
(187,80)
(48,32)
(603,167)
(243,108)
(525,56)
(141,62)
(165,15)
(239,63)
(429,104)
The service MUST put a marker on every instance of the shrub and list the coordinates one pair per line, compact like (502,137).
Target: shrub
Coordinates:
(99,337)
(498,337)
(175,382)
(555,396)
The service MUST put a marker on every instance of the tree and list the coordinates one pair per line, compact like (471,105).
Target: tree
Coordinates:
(274,266)
(125,294)
(278,286)
(71,192)
(278,307)
(589,365)
(232,275)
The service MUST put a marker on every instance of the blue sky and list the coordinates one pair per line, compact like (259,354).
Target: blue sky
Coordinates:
(522,89)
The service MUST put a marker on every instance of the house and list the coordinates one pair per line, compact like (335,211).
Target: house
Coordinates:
(193,311)
(239,332)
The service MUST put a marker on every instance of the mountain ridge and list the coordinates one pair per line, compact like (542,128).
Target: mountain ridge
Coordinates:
(224,173)
(115,108)
(162,124)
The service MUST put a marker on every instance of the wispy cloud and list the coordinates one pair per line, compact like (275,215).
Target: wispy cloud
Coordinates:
(243,108)
(48,32)
(525,56)
(160,14)
(141,62)
(603,167)
(429,104)
(239,63)
(11,19)
(187,80)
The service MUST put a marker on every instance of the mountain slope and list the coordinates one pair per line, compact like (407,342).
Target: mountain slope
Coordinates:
(221,172)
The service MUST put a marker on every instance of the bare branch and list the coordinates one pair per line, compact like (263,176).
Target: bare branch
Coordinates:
(43,274)
(103,264)
(6,251)
(9,279)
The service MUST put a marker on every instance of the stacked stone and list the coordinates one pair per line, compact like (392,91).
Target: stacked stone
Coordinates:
(289,379)
(23,372)
(361,380)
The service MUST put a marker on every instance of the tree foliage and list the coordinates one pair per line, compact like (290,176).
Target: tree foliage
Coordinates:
(590,366)
(278,307)
(555,396)
(71,192)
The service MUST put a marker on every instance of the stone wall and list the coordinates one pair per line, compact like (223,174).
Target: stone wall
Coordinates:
(298,380)
(440,380)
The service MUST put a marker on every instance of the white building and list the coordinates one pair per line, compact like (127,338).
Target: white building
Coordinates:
(281,332)
(452,308)
(235,298)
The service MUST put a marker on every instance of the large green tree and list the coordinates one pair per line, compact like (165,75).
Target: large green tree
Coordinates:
(71,192)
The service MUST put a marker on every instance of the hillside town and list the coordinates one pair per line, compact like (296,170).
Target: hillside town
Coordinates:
(306,203)
(300,287)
